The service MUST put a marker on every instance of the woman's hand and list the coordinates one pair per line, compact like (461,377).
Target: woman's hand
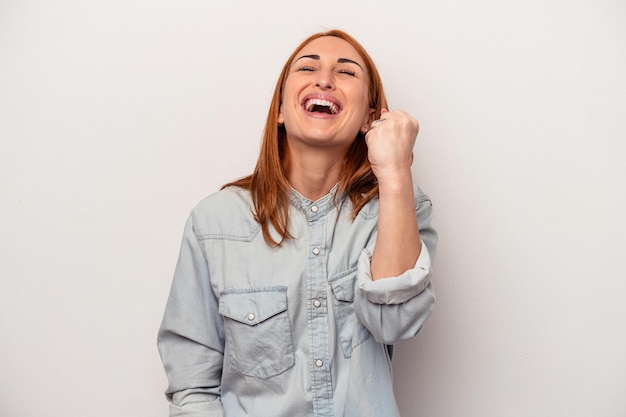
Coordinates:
(390,143)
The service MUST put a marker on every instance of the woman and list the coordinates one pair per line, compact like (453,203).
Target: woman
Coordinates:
(293,282)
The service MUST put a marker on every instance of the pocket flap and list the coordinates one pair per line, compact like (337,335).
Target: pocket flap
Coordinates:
(252,306)
(343,285)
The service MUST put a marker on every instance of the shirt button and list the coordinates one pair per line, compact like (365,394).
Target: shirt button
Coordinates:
(319,363)
(317,303)
(316,251)
(314,209)
(251,316)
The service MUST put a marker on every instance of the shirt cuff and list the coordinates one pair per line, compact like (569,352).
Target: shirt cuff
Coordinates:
(394,290)
(189,403)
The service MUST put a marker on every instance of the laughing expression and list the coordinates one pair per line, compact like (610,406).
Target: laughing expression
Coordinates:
(325,97)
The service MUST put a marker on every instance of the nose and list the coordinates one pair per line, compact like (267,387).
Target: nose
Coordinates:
(325,80)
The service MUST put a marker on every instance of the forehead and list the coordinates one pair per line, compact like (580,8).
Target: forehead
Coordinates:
(331,47)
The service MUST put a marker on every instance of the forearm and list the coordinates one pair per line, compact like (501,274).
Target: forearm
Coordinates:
(398,241)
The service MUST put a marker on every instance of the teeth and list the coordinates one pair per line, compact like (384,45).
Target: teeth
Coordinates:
(310,104)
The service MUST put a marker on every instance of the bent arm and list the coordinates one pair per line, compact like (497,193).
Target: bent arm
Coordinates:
(394,309)
(191,336)
(390,144)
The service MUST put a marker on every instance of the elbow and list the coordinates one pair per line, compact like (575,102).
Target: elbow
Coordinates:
(402,322)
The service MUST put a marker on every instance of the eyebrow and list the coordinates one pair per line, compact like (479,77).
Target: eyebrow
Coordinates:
(340,60)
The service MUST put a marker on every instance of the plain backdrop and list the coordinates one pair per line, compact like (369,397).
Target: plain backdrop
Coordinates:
(117,117)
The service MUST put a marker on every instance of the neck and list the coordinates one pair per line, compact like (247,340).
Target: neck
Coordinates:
(315,172)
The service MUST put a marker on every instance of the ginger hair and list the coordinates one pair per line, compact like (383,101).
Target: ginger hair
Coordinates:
(268,184)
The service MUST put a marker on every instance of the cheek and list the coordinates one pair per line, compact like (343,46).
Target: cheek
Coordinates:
(286,111)
(361,95)
(290,99)
(364,107)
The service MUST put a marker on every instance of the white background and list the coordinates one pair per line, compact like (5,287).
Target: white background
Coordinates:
(117,117)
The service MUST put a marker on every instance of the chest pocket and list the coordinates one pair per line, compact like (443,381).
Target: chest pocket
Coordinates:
(258,333)
(350,331)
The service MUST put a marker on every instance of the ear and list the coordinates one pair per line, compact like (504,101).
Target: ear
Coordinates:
(281,118)
(369,118)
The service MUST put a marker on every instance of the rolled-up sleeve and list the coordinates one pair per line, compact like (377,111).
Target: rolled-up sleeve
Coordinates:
(191,336)
(394,309)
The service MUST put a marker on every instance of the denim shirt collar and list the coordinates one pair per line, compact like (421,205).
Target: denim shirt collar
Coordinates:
(312,209)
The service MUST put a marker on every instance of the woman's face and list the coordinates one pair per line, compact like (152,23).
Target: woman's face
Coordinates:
(325,96)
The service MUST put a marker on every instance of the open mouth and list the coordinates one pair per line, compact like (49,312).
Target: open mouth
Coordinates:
(318,105)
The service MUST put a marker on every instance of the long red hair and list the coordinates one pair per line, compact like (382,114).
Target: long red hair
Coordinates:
(268,184)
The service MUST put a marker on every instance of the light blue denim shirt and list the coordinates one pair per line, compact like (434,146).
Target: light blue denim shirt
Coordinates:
(294,331)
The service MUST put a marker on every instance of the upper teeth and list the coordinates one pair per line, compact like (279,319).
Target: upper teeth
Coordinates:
(334,109)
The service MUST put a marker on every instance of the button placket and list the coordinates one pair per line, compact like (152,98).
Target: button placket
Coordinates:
(318,315)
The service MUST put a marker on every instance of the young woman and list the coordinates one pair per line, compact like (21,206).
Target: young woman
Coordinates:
(293,283)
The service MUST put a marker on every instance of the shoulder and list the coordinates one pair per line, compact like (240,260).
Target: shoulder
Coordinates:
(226,214)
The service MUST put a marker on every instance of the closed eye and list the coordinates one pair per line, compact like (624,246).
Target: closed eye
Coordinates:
(347,71)
(306,68)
